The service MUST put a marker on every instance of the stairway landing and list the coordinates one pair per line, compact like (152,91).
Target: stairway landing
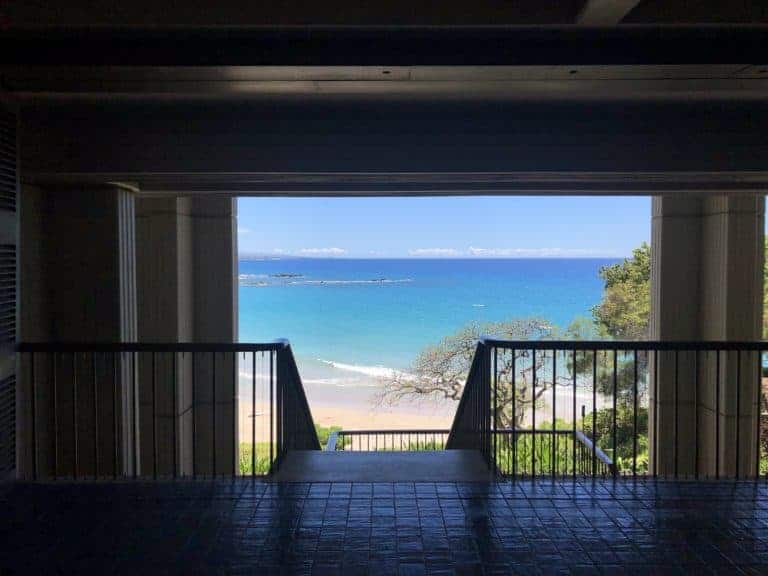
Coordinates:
(438,466)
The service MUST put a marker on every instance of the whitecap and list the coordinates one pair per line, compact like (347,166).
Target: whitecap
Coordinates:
(341,282)
(381,372)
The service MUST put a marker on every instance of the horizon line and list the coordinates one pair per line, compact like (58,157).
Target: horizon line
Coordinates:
(246,256)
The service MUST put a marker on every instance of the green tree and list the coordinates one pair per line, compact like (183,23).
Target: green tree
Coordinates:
(625,309)
(765,292)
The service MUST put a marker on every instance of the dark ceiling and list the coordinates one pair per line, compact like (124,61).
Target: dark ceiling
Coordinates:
(145,13)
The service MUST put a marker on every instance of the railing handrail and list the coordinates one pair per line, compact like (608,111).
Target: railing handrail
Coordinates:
(419,436)
(395,431)
(298,389)
(101,346)
(643,345)
(592,447)
(459,415)
(563,431)
(578,435)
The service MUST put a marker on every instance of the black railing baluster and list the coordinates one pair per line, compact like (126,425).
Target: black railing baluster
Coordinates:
(738,412)
(533,429)
(154,419)
(194,416)
(74,415)
(95,417)
(134,415)
(33,385)
(634,414)
(717,413)
(115,409)
(174,410)
(594,413)
(655,414)
(253,416)
(495,405)
(615,395)
(675,422)
(757,414)
(213,415)
(271,408)
(554,408)
(236,440)
(514,416)
(696,412)
(55,361)
(573,423)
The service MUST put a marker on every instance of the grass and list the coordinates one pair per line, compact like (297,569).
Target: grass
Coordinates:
(262,458)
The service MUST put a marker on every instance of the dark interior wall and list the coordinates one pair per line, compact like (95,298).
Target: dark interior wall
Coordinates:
(343,135)
(349,12)
(69,242)
(286,12)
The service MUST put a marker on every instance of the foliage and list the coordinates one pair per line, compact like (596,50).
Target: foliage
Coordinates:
(625,309)
(323,432)
(262,458)
(563,447)
(440,371)
(765,292)
(624,435)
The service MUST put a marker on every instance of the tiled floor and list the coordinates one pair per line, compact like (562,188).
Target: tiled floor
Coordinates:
(319,465)
(255,527)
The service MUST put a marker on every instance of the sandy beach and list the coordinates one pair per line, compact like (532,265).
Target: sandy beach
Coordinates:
(353,409)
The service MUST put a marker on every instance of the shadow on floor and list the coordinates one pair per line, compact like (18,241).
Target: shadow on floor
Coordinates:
(257,527)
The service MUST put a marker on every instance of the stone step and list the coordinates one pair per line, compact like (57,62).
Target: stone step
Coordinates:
(437,466)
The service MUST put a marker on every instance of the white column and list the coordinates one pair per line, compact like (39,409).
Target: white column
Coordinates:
(706,284)
(188,293)
(78,274)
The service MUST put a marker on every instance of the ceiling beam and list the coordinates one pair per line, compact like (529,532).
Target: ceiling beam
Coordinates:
(605,12)
(346,184)
(492,46)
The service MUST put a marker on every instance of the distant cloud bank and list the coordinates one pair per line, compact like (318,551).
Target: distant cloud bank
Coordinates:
(471,252)
(322,252)
(475,252)
(434,253)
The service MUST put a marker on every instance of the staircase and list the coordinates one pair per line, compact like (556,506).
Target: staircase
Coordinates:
(461,454)
(408,466)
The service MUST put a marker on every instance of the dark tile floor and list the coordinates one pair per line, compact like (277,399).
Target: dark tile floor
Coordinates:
(254,527)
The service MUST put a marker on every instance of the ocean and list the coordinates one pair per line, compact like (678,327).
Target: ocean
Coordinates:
(350,322)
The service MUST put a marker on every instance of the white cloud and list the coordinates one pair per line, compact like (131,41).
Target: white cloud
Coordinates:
(322,251)
(435,252)
(243,230)
(535,252)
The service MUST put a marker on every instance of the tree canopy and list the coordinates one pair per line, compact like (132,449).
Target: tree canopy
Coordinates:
(625,309)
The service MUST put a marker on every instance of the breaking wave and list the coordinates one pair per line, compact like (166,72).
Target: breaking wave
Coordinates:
(381,372)
(371,281)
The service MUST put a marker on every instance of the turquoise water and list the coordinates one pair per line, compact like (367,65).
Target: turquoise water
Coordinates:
(362,316)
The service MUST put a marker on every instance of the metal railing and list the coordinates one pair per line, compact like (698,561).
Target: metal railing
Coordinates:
(591,408)
(387,440)
(160,410)
(472,424)
(556,452)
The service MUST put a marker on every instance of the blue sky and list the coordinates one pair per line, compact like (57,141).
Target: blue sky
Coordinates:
(498,227)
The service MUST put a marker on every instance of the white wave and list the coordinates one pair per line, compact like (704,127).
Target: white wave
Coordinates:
(381,372)
(338,382)
(262,379)
(478,305)
(371,281)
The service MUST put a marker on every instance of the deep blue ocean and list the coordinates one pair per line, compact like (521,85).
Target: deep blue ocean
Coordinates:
(366,315)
